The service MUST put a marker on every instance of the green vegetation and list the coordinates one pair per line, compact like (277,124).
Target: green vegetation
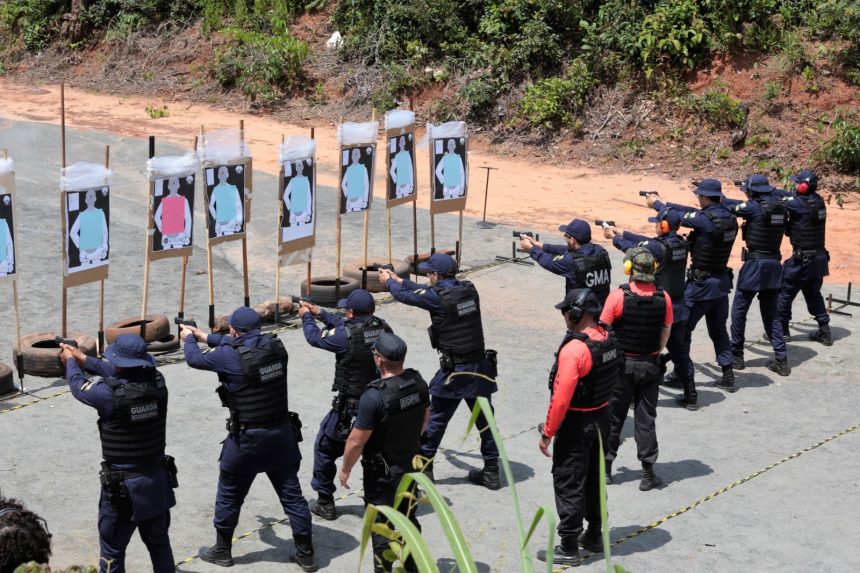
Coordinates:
(555,102)
(717,108)
(157,112)
(843,150)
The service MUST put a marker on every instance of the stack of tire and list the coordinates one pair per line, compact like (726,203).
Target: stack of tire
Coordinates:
(324,289)
(423,258)
(158,336)
(7,383)
(41,352)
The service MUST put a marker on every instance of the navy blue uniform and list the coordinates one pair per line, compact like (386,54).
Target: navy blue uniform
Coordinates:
(803,272)
(331,438)
(150,493)
(272,450)
(680,312)
(758,276)
(559,260)
(447,388)
(706,297)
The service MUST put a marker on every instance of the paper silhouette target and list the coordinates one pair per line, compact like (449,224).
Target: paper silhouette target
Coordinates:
(87,229)
(7,230)
(356,178)
(225,201)
(172,220)
(449,174)
(298,197)
(401,166)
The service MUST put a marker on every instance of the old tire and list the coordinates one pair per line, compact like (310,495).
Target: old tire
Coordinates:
(41,352)
(424,257)
(323,289)
(167,344)
(7,383)
(157,327)
(354,268)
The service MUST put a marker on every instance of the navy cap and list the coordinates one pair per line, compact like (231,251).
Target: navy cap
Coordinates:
(391,347)
(129,351)
(709,188)
(757,184)
(245,319)
(358,300)
(671,216)
(439,263)
(805,175)
(578,229)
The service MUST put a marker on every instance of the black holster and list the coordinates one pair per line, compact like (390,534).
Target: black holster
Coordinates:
(172,472)
(114,486)
(296,422)
(222,395)
(446,361)
(376,464)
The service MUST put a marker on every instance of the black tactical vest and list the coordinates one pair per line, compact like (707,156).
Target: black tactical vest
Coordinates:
(137,432)
(595,388)
(354,368)
(262,400)
(711,250)
(641,322)
(672,273)
(809,235)
(457,329)
(763,236)
(592,272)
(398,435)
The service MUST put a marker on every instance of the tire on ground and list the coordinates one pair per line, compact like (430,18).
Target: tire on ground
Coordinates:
(157,327)
(41,352)
(167,344)
(7,383)
(353,269)
(424,257)
(323,289)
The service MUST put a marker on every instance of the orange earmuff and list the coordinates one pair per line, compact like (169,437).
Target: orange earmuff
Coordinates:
(664,227)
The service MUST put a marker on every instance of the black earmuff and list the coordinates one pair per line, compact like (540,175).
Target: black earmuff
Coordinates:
(577,309)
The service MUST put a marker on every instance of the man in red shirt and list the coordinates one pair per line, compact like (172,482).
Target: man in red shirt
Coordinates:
(583,378)
(642,316)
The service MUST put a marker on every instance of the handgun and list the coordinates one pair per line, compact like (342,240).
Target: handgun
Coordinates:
(738,183)
(300,299)
(601,222)
(67,341)
(185,322)
(646,193)
(695,182)
(526,233)
(386,267)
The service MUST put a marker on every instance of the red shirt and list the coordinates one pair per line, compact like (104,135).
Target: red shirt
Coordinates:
(574,362)
(613,308)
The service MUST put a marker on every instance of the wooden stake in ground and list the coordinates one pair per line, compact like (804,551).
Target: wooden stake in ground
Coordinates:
(245,216)
(102,284)
(181,312)
(64,328)
(146,260)
(208,250)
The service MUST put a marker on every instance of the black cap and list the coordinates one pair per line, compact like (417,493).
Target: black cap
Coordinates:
(589,304)
(391,347)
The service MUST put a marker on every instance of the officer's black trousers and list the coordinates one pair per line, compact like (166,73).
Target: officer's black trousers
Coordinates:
(576,470)
(116,529)
(379,489)
(640,382)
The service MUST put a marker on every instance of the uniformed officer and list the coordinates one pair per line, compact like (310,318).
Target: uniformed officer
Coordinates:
(137,478)
(709,281)
(351,338)
(805,270)
(761,274)
(581,262)
(467,369)
(670,251)
(583,378)
(252,369)
(641,314)
(387,434)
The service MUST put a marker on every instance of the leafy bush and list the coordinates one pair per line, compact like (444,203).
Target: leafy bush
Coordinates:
(555,102)
(480,95)
(717,108)
(262,66)
(673,38)
(843,150)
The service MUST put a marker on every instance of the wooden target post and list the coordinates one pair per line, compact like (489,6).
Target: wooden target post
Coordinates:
(7,183)
(448,156)
(241,164)
(400,142)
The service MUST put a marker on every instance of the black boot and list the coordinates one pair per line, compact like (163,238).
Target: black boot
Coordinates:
(738,360)
(304,555)
(608,467)
(690,399)
(324,508)
(566,553)
(785,335)
(220,553)
(727,382)
(822,335)
(780,367)
(487,477)
(428,471)
(672,380)
(649,478)
(592,540)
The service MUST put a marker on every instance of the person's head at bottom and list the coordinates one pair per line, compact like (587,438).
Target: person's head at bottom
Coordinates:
(24,536)
(580,309)
(244,320)
(438,267)
(129,351)
(389,352)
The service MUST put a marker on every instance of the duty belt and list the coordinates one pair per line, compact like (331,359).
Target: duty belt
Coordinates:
(651,358)
(235,426)
(342,402)
(746,255)
(807,254)
(698,274)
(463,359)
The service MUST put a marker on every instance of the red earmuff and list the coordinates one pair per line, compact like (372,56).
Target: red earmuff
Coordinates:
(803,187)
(664,227)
